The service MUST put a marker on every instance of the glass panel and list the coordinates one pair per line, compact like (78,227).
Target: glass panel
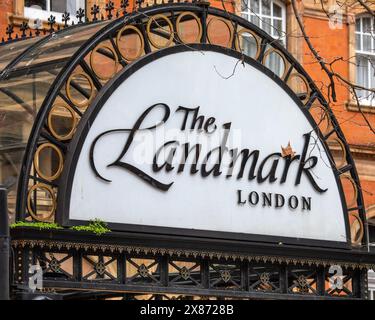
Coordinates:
(20,99)
(277,28)
(372,72)
(254,6)
(277,10)
(275,63)
(367,42)
(358,41)
(366,24)
(60,6)
(362,74)
(244,5)
(36,4)
(70,6)
(23,92)
(8,52)
(62,45)
(266,25)
(358,25)
(266,7)
(249,45)
(255,19)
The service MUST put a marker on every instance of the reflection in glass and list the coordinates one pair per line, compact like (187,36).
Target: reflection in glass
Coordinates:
(275,63)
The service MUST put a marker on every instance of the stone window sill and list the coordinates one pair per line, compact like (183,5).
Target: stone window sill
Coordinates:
(352,106)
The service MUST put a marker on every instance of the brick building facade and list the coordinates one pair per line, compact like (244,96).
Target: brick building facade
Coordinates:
(332,31)
(342,36)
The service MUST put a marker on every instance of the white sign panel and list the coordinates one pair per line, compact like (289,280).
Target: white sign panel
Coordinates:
(198,141)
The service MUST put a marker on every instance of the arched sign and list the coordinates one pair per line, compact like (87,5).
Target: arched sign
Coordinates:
(200,141)
(207,149)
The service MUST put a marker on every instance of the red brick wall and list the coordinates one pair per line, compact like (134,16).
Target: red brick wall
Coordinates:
(6,8)
(333,43)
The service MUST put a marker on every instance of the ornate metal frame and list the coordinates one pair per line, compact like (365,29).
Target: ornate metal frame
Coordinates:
(106,42)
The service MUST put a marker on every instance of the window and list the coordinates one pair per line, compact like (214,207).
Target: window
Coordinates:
(43,9)
(269,15)
(365,58)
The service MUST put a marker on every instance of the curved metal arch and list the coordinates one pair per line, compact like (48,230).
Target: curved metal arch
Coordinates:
(108,32)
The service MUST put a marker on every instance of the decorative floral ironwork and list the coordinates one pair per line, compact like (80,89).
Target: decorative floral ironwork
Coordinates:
(80,14)
(95,9)
(139,3)
(185,273)
(55,265)
(24,27)
(143,271)
(51,22)
(9,31)
(109,8)
(265,278)
(302,283)
(124,5)
(65,18)
(100,268)
(225,275)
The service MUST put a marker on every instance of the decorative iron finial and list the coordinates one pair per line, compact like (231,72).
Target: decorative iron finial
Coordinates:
(9,31)
(24,27)
(95,9)
(51,22)
(139,3)
(80,15)
(65,18)
(109,8)
(123,5)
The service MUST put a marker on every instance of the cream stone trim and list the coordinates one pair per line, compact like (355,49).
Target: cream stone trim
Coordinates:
(352,106)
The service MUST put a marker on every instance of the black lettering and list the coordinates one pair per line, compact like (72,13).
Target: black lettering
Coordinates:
(187,151)
(306,170)
(210,122)
(168,162)
(280,200)
(246,154)
(288,161)
(254,198)
(293,202)
(239,197)
(267,199)
(216,168)
(306,203)
(196,119)
(272,173)
(118,163)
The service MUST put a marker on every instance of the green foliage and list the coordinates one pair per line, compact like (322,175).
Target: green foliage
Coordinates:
(96,226)
(36,225)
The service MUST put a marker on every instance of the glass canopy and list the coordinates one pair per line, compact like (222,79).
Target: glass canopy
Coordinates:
(28,69)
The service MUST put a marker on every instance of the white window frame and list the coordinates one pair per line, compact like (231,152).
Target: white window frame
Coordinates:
(366,54)
(371,284)
(33,13)
(248,13)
